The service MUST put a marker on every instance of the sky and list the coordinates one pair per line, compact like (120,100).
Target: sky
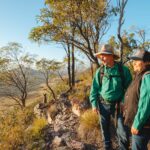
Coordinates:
(18,17)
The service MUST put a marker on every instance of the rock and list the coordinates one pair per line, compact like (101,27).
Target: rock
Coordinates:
(58,142)
(76,145)
(91,147)
(78,107)
(85,105)
(52,111)
(57,128)
(76,110)
(63,148)
(37,111)
(49,119)
(63,95)
(61,132)
(40,110)
(65,117)
(66,136)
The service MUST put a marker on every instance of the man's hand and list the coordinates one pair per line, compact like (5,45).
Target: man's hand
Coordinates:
(134,131)
(95,110)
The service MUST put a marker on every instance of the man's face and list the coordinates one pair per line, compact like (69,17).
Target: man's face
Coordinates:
(138,65)
(106,59)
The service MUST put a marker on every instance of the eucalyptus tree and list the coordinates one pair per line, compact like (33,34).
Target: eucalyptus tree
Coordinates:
(141,37)
(15,73)
(132,39)
(49,69)
(121,7)
(129,43)
(81,23)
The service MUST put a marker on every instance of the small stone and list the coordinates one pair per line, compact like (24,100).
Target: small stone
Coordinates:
(58,141)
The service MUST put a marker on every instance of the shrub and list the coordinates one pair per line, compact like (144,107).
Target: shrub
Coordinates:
(26,116)
(38,125)
(12,128)
(82,88)
(13,138)
(89,130)
(90,119)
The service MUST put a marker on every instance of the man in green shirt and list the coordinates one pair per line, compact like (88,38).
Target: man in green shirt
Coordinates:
(137,101)
(108,88)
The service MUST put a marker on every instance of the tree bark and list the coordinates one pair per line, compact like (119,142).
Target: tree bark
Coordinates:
(73,59)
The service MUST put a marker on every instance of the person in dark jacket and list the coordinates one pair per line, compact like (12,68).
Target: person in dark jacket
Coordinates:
(109,85)
(137,101)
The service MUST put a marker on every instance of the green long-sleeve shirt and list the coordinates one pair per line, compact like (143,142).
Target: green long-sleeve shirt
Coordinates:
(111,88)
(143,112)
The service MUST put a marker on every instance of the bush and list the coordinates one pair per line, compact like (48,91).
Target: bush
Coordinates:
(90,119)
(13,138)
(12,128)
(89,128)
(58,87)
(82,88)
(37,126)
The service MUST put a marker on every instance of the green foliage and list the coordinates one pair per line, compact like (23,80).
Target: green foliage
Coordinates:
(77,94)
(15,73)
(82,89)
(20,129)
(49,69)
(128,42)
(132,39)
(89,128)
(60,87)
(48,65)
(77,22)
(13,139)
(37,126)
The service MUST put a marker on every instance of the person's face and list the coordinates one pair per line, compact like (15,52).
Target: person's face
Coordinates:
(138,65)
(106,59)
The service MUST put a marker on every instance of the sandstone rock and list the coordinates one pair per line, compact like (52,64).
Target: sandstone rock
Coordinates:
(58,142)
(62,148)
(76,145)
(49,119)
(61,133)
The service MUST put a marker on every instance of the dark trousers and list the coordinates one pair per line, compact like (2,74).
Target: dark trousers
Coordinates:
(106,111)
(140,142)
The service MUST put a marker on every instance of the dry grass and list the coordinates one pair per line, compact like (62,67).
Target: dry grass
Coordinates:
(89,129)
(37,126)
(12,128)
(82,88)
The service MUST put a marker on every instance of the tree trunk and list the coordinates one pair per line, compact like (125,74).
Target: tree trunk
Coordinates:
(23,103)
(121,6)
(54,96)
(45,98)
(73,67)
(73,62)
(49,87)
(91,67)
(69,66)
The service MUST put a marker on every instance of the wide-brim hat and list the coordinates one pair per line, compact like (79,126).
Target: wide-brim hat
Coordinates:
(107,50)
(141,54)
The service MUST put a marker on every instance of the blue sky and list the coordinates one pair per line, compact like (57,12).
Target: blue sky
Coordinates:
(17,17)
(137,13)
